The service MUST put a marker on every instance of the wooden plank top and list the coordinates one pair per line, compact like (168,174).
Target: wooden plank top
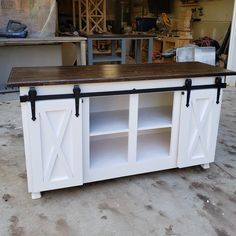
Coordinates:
(36,76)
(39,41)
(118,36)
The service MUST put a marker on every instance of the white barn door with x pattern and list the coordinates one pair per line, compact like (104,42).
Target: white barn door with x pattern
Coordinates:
(57,136)
(198,128)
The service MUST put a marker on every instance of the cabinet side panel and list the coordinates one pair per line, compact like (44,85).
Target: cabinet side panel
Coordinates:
(26,134)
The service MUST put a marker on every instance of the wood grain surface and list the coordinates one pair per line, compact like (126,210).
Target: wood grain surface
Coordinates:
(35,76)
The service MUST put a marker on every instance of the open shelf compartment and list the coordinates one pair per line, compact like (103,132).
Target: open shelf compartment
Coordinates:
(109,114)
(155,110)
(153,144)
(108,150)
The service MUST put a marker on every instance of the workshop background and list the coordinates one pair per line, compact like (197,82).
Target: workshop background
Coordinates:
(190,201)
(217,14)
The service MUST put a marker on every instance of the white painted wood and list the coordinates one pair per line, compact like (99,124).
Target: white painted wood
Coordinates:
(125,169)
(153,146)
(81,53)
(155,99)
(56,145)
(231,80)
(133,127)
(116,136)
(49,89)
(109,114)
(109,103)
(111,160)
(35,196)
(109,122)
(26,135)
(155,117)
(86,137)
(175,129)
(110,151)
(102,87)
(155,110)
(198,128)
(205,166)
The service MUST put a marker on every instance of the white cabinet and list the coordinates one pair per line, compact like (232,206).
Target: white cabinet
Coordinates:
(118,134)
(198,128)
(54,145)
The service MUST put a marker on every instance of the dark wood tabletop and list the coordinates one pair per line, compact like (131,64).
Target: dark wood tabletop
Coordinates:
(118,36)
(36,76)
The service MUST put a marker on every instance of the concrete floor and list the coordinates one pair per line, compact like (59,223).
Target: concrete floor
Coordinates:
(178,202)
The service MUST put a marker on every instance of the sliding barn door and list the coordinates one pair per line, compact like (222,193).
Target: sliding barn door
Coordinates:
(198,128)
(56,145)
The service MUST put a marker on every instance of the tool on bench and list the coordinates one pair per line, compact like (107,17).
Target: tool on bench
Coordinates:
(14,29)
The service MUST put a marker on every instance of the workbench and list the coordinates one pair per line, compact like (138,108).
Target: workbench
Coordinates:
(122,38)
(38,52)
(86,124)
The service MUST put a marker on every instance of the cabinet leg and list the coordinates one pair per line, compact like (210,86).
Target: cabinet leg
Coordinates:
(35,195)
(205,166)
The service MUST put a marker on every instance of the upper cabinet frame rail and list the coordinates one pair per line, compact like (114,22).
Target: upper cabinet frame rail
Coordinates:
(32,96)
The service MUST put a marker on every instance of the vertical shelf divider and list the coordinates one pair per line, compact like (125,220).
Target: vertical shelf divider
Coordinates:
(175,124)
(86,140)
(133,127)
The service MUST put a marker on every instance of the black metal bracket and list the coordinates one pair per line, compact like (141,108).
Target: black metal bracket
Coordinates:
(218,82)
(32,97)
(188,86)
(77,92)
(218,85)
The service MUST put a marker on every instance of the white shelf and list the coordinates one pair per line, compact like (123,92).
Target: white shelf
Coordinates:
(153,146)
(109,122)
(108,152)
(155,117)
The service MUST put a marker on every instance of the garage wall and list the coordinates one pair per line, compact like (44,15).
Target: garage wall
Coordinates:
(217,15)
(38,15)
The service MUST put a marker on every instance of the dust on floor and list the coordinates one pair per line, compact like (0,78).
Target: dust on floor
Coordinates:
(187,201)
